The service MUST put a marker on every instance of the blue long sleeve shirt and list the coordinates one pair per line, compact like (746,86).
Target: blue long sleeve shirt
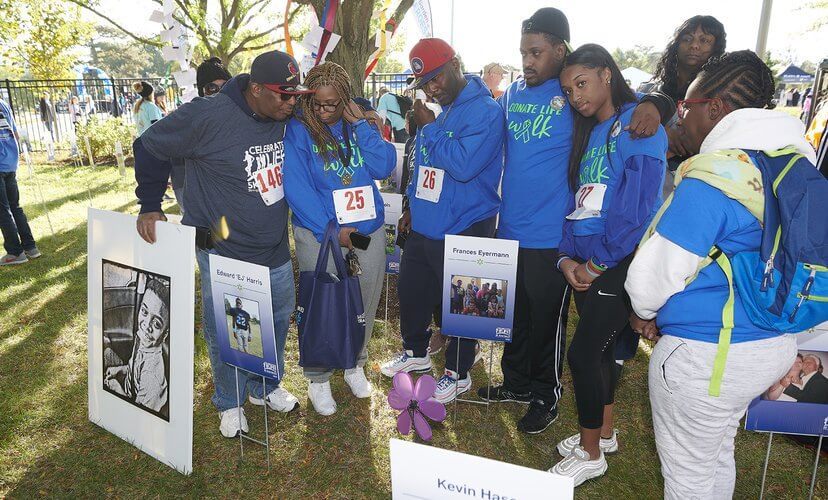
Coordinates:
(311,178)
(465,145)
(619,192)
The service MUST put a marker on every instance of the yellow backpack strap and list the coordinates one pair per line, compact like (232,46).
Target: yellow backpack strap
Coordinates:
(728,310)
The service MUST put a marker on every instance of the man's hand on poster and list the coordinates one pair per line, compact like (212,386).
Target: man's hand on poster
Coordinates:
(568,267)
(146,225)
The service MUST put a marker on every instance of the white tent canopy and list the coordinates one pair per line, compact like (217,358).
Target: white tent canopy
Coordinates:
(636,76)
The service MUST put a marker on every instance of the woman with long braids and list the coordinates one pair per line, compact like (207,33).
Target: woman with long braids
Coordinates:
(617,181)
(728,121)
(332,158)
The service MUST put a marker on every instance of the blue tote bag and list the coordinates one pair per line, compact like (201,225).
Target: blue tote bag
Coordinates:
(330,315)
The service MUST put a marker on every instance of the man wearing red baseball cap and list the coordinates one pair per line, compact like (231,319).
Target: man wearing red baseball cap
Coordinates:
(458,160)
(231,145)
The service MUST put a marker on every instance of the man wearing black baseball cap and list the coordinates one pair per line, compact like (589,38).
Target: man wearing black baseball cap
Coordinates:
(458,159)
(536,196)
(232,148)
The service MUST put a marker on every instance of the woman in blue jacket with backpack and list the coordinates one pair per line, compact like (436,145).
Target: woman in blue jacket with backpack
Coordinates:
(700,388)
(332,159)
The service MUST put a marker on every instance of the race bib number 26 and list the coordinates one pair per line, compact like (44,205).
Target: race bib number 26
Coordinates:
(354,204)
(429,184)
(269,183)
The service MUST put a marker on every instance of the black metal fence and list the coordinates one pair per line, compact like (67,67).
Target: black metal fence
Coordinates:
(41,108)
(397,82)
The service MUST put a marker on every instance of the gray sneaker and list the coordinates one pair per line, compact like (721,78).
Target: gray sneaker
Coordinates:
(11,260)
(33,253)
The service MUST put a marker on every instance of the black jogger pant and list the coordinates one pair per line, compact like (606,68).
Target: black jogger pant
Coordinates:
(603,311)
(420,289)
(533,361)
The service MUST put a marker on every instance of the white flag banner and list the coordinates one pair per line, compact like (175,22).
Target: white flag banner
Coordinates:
(157,16)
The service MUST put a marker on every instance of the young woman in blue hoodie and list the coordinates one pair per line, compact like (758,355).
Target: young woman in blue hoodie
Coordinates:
(617,185)
(332,158)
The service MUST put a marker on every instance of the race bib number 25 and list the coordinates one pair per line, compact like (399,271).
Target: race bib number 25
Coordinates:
(269,183)
(354,204)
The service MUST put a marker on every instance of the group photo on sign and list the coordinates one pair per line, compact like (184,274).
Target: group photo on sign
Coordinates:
(414,249)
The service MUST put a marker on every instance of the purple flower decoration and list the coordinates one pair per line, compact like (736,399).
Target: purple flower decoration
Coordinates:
(415,402)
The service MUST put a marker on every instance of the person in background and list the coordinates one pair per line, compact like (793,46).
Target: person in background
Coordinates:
(90,105)
(728,106)
(145,112)
(454,191)
(17,235)
(493,75)
(694,43)
(617,184)
(389,106)
(211,76)
(332,155)
(48,115)
(160,100)
(75,112)
(233,148)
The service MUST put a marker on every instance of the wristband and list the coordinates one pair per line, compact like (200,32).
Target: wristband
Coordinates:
(594,269)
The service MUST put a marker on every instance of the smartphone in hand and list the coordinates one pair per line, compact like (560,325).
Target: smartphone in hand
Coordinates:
(360,240)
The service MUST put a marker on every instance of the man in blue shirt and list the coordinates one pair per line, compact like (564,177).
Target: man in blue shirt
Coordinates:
(17,235)
(391,108)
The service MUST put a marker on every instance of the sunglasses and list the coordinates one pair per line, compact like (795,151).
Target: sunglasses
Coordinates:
(212,89)
(682,106)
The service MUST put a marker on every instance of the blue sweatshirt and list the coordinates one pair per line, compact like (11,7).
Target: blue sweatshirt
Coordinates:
(699,217)
(233,159)
(464,146)
(535,190)
(311,179)
(619,192)
(9,154)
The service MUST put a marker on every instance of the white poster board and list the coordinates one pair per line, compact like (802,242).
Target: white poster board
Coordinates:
(141,305)
(419,471)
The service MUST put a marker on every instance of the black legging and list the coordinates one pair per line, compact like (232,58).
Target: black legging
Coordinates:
(603,311)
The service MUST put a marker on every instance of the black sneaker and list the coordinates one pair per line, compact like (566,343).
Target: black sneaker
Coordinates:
(499,394)
(539,416)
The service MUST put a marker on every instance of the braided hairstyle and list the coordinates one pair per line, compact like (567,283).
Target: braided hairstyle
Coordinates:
(328,73)
(740,79)
(667,68)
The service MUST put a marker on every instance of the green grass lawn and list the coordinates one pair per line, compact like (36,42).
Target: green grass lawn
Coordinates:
(254,347)
(49,448)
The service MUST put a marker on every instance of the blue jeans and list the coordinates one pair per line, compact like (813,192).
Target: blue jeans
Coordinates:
(283,297)
(17,235)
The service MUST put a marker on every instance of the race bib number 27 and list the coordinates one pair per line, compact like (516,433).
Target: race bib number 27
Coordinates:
(269,184)
(589,200)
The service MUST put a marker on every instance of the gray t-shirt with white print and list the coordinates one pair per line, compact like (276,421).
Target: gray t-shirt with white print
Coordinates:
(234,178)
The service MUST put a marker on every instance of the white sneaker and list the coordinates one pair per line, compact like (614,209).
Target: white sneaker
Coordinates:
(355,378)
(608,446)
(279,400)
(406,362)
(233,421)
(579,467)
(321,398)
(448,387)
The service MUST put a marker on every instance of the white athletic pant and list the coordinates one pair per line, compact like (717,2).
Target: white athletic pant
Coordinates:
(694,431)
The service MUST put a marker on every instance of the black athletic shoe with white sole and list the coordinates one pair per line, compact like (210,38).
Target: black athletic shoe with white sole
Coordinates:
(539,416)
(500,394)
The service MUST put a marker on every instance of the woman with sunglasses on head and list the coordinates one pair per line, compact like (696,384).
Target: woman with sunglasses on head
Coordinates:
(617,181)
(728,120)
(332,158)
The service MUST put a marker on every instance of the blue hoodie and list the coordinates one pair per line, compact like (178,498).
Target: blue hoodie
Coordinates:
(465,145)
(621,179)
(311,179)
(535,190)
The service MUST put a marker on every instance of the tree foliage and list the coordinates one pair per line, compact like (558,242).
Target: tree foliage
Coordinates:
(122,57)
(41,35)
(223,28)
(641,57)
